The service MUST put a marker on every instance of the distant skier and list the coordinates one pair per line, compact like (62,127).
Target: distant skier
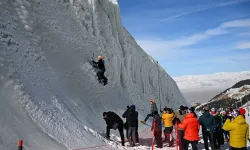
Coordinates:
(113,121)
(152,110)
(101,69)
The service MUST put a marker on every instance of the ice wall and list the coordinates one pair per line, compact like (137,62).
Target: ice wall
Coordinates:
(49,93)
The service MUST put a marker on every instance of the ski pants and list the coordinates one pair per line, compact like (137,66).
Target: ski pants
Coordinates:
(136,135)
(208,135)
(120,128)
(168,134)
(193,143)
(181,139)
(158,138)
(132,136)
(100,75)
(217,140)
(149,115)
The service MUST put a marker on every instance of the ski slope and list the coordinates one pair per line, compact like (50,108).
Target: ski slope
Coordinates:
(49,93)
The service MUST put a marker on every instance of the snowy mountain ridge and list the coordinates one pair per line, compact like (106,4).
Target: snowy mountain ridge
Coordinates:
(235,93)
(49,91)
(202,88)
(211,80)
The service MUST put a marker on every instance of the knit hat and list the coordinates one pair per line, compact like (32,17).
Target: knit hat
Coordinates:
(242,111)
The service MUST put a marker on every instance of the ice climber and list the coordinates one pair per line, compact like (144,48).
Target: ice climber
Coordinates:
(113,121)
(101,69)
(152,110)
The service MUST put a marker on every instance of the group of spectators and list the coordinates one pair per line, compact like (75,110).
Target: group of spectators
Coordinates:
(216,127)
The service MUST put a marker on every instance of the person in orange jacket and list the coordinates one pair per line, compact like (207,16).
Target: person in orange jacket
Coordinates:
(191,127)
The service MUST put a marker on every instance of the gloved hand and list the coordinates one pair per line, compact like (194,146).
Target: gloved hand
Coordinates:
(93,61)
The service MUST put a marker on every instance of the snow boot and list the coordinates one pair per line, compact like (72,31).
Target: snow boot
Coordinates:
(143,121)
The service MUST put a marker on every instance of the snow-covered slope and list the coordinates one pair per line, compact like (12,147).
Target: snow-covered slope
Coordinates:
(49,94)
(236,96)
(234,93)
(201,88)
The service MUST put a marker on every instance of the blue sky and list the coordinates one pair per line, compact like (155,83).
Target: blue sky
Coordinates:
(191,37)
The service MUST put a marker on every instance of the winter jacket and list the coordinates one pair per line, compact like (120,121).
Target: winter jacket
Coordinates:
(157,121)
(99,64)
(191,127)
(218,122)
(194,114)
(113,118)
(132,117)
(125,115)
(167,119)
(238,131)
(153,108)
(180,117)
(207,121)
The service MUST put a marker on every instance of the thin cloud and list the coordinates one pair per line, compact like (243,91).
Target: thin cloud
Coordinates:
(243,45)
(158,47)
(203,9)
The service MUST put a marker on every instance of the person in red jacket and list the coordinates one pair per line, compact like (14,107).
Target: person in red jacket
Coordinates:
(191,127)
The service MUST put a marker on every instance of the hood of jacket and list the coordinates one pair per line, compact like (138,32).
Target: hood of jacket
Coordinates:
(240,120)
(206,114)
(132,108)
(190,115)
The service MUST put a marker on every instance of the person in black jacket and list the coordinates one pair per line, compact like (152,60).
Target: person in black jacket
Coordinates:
(207,122)
(113,121)
(125,115)
(101,69)
(132,118)
(157,129)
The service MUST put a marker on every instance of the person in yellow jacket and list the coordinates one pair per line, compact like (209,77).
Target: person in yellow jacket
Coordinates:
(167,118)
(238,131)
